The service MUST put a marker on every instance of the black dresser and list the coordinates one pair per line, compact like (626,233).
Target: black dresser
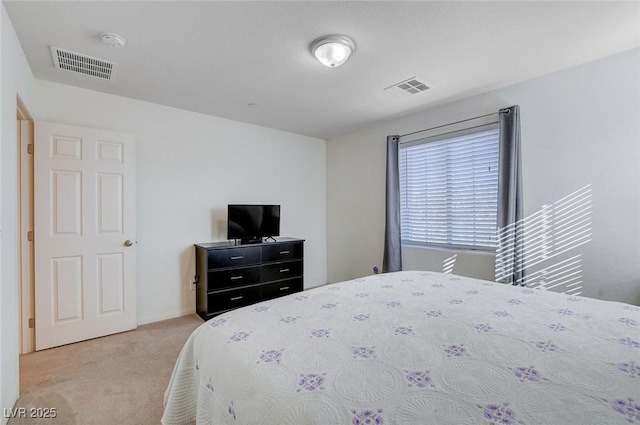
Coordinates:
(230,276)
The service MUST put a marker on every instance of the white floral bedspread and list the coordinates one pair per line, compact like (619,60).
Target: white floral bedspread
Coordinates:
(413,348)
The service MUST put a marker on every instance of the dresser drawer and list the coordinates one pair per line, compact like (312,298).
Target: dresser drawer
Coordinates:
(233,298)
(219,258)
(281,252)
(280,271)
(229,278)
(279,289)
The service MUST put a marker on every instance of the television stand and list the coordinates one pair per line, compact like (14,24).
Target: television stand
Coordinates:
(229,276)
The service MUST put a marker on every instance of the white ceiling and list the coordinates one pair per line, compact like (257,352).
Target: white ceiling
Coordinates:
(218,57)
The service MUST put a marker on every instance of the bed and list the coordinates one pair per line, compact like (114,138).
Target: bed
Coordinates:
(412,348)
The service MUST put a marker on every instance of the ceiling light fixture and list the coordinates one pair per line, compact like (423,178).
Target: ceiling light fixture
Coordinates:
(112,40)
(332,50)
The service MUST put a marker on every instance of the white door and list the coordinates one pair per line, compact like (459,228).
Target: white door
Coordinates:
(84,200)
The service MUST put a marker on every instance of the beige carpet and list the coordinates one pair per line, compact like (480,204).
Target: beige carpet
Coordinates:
(118,379)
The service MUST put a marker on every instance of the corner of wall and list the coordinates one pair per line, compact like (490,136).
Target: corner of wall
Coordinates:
(15,77)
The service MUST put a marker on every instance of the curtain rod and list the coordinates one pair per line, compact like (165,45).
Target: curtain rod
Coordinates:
(457,122)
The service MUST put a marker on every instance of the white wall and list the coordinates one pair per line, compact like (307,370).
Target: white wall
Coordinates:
(579,126)
(16,78)
(189,167)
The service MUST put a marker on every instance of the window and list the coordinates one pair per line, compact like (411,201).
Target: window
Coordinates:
(449,189)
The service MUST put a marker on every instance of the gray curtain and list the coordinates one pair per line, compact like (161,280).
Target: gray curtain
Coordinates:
(510,251)
(392,261)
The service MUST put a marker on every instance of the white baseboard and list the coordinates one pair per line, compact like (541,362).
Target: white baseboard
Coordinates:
(165,316)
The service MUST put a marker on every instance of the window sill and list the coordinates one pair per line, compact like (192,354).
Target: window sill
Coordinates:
(452,249)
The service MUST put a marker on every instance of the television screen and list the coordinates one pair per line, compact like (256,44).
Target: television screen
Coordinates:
(253,222)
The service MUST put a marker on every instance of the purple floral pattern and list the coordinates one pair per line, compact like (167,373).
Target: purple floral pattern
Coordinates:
(417,294)
(329,305)
(501,314)
(437,285)
(455,351)
(565,312)
(217,322)
(545,346)
(393,304)
(210,385)
(363,352)
(456,302)
(301,297)
(362,294)
(629,342)
(320,333)
(232,411)
(627,321)
(433,313)
(557,327)
(270,356)
(630,368)
(311,382)
(261,308)
(367,417)
(386,286)
(515,301)
(361,317)
(419,379)
(239,336)
(631,307)
(525,374)
(574,299)
(403,330)
(483,327)
(500,414)
(472,292)
(627,408)
(528,291)
(289,319)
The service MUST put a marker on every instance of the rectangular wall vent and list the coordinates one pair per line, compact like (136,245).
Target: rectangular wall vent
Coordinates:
(408,87)
(82,64)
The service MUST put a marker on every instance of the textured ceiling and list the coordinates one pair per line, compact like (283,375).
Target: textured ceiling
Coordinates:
(218,57)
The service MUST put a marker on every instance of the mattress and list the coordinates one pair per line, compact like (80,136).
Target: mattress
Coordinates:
(412,348)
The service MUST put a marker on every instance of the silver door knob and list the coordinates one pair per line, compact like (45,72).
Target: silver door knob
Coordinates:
(128,242)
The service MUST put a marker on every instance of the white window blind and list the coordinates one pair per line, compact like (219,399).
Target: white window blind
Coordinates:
(449,189)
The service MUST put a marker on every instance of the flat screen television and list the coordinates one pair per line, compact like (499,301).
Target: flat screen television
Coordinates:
(251,223)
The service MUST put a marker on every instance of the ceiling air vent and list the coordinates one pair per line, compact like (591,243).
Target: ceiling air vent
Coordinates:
(82,64)
(407,87)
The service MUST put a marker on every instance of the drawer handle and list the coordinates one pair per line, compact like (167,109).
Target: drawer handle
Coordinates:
(236,277)
(284,288)
(237,298)
(284,252)
(284,270)
(237,257)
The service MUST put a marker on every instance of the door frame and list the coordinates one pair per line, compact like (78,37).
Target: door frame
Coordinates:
(24,132)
